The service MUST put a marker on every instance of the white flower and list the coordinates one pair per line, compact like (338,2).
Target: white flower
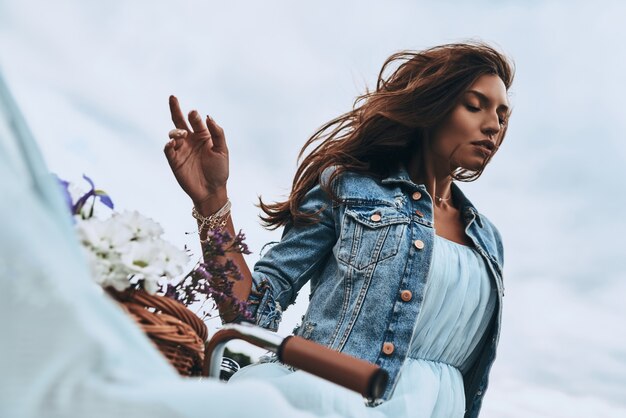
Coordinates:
(127,249)
(91,232)
(143,258)
(105,235)
(117,234)
(139,226)
(175,259)
(149,261)
(107,270)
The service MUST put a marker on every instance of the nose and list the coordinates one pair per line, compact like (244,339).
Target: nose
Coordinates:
(491,125)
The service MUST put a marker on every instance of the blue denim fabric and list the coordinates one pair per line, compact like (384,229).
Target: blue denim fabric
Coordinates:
(359,263)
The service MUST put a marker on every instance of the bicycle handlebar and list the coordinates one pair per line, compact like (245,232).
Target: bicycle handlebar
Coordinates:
(358,375)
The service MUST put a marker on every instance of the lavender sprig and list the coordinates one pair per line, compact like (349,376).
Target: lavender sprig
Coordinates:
(211,279)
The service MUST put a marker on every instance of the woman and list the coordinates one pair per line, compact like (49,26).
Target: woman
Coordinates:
(404,271)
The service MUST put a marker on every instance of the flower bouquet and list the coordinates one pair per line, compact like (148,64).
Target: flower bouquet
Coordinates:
(144,273)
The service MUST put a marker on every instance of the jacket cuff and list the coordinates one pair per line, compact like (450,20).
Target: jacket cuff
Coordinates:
(262,308)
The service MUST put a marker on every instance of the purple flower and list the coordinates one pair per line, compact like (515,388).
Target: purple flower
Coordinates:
(66,193)
(213,279)
(104,198)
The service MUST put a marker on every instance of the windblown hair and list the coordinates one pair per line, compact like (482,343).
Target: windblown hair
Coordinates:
(387,126)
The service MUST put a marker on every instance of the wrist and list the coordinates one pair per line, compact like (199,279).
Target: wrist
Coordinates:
(214,222)
(212,203)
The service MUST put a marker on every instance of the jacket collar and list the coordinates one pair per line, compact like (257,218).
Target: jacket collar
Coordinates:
(468,210)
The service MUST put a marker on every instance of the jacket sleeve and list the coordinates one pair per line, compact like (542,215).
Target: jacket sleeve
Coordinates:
(287,266)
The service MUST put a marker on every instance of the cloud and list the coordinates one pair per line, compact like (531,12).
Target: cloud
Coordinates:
(93,81)
(517,399)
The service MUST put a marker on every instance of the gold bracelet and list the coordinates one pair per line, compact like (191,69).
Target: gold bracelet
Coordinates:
(216,221)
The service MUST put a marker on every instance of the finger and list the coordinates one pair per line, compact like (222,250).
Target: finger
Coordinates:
(217,134)
(177,133)
(198,126)
(177,137)
(178,142)
(177,114)
(170,151)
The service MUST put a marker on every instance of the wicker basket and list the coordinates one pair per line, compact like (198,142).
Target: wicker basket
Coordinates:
(177,332)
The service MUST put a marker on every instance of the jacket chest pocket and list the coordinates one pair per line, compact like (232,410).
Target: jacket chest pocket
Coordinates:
(370,234)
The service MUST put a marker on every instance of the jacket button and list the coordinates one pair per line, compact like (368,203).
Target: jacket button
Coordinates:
(406,295)
(419,213)
(416,196)
(419,244)
(376,217)
(388,348)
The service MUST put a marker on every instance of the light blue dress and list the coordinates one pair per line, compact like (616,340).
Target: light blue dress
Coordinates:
(458,305)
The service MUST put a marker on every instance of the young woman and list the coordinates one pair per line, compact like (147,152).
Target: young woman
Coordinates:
(404,271)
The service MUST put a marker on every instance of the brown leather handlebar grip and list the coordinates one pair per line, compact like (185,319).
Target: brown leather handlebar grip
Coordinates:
(359,375)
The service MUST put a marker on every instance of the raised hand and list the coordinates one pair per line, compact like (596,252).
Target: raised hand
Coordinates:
(198,156)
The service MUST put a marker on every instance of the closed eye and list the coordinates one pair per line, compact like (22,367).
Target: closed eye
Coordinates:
(502,109)
(474,109)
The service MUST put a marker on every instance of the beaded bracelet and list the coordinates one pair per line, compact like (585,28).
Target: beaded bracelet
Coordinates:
(216,221)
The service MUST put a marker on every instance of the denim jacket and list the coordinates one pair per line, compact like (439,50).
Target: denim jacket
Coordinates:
(365,251)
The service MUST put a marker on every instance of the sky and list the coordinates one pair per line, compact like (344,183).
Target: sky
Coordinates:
(93,78)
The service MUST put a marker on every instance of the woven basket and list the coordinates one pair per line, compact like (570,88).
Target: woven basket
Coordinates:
(176,331)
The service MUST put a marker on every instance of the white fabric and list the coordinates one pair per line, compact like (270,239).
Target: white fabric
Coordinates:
(66,350)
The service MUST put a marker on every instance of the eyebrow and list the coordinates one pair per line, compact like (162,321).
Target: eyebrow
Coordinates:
(483,98)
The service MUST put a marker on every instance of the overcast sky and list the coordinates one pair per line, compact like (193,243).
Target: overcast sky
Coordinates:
(93,80)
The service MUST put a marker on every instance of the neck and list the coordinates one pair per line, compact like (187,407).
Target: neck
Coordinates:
(434,174)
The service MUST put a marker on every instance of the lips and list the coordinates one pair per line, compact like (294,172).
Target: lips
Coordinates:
(485,145)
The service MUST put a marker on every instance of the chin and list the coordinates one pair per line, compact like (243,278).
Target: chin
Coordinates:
(473,165)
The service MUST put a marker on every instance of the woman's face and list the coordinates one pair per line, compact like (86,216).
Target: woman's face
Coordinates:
(469,135)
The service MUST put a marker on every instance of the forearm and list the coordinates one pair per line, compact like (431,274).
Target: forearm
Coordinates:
(241,288)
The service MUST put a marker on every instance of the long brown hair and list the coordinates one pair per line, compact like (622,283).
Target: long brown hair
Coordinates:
(386,126)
